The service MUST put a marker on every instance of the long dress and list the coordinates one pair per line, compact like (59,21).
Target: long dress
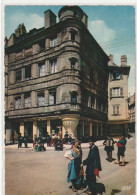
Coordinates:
(74,167)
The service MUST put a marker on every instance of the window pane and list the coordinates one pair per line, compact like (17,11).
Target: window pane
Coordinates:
(18,75)
(42,70)
(27,72)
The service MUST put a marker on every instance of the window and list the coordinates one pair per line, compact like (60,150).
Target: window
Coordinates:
(52,97)
(53,42)
(114,92)
(42,69)
(27,100)
(18,102)
(41,99)
(53,66)
(74,97)
(73,35)
(85,98)
(116,110)
(27,72)
(93,102)
(18,75)
(73,62)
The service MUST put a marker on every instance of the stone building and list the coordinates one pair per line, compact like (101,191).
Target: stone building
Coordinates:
(118,97)
(131,112)
(55,78)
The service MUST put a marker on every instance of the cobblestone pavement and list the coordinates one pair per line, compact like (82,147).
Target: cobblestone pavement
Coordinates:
(41,173)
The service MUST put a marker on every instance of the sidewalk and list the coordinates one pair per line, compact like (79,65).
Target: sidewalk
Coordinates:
(65,146)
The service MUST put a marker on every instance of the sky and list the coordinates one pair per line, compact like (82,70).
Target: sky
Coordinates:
(113,27)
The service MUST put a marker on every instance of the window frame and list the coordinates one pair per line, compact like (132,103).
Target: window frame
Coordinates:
(42,101)
(20,70)
(28,73)
(27,100)
(52,96)
(53,66)
(18,103)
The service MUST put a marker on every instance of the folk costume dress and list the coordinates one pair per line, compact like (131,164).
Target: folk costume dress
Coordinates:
(74,167)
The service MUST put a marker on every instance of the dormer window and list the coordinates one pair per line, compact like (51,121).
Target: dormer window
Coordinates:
(53,42)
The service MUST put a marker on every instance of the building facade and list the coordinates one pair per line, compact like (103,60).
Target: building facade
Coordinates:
(131,112)
(118,97)
(55,78)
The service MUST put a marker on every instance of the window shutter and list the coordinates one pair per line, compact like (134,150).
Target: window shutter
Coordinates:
(121,91)
(117,109)
(110,92)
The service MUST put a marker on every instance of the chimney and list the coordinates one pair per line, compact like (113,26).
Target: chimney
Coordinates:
(123,60)
(50,18)
(110,63)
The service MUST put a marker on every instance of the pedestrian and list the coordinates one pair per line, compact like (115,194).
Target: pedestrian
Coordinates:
(58,145)
(48,139)
(73,176)
(109,147)
(93,167)
(19,140)
(40,140)
(66,137)
(25,140)
(121,144)
(35,140)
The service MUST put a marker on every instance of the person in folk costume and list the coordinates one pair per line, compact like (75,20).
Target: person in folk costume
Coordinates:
(93,167)
(74,166)
(109,147)
(121,144)
(52,143)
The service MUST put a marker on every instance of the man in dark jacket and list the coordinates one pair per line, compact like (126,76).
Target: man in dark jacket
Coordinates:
(93,167)
(109,147)
(25,140)
(19,140)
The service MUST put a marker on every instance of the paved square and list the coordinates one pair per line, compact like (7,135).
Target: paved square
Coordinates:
(40,173)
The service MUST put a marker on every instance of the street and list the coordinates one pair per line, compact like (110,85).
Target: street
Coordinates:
(39,173)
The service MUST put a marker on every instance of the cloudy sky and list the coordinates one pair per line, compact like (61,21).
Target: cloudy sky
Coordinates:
(113,27)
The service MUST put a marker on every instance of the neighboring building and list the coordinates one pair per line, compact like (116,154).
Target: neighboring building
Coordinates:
(118,97)
(131,112)
(55,78)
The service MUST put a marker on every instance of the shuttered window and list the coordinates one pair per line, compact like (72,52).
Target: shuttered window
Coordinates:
(121,91)
(115,109)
